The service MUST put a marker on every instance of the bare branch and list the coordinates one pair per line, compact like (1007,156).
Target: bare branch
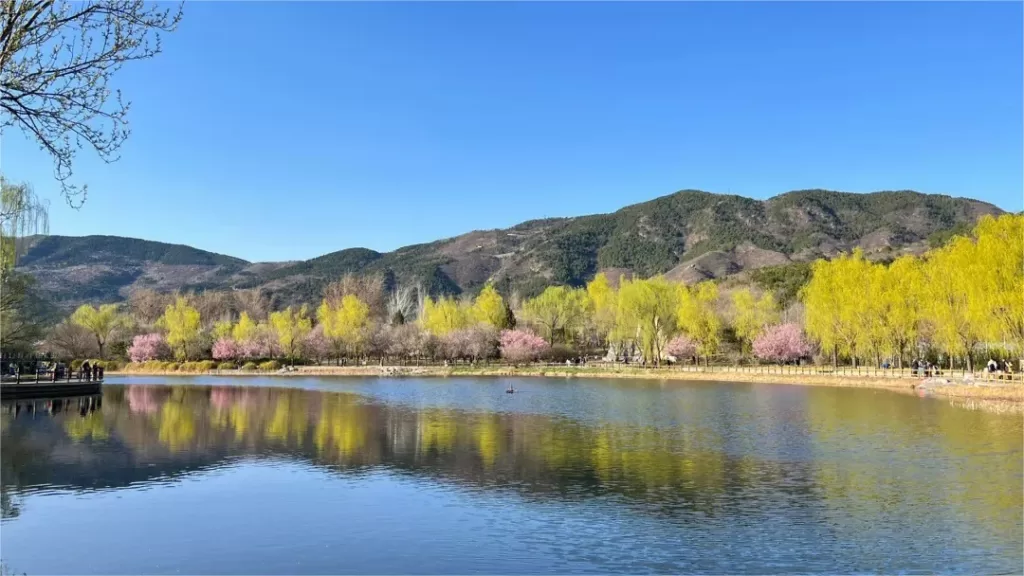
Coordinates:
(56,61)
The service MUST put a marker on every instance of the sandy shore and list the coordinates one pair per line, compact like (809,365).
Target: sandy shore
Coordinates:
(993,395)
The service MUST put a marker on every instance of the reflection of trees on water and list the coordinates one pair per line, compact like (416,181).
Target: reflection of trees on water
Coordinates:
(145,432)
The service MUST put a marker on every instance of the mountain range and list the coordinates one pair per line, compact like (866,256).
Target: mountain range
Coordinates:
(688,236)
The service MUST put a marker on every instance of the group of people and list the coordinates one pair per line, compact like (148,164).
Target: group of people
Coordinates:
(924,368)
(90,372)
(992,367)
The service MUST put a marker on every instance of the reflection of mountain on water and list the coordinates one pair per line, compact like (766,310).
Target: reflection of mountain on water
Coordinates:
(148,433)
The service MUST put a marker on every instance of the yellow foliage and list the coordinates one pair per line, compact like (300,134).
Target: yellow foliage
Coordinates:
(291,326)
(646,314)
(222,329)
(101,322)
(751,315)
(184,330)
(699,319)
(245,330)
(347,323)
(558,310)
(489,308)
(601,306)
(444,315)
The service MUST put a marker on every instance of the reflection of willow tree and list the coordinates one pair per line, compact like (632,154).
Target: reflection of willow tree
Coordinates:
(91,427)
(177,425)
(542,455)
(341,430)
(875,480)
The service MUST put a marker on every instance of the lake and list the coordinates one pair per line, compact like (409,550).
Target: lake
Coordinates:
(452,475)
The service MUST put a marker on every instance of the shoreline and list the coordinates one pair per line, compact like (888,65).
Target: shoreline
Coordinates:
(1004,397)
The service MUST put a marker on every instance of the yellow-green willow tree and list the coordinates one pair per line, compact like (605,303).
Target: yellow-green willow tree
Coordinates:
(184,329)
(1000,252)
(901,315)
(601,305)
(558,310)
(245,329)
(345,325)
(489,308)
(954,289)
(100,322)
(646,314)
(835,303)
(699,319)
(291,326)
(751,315)
(444,315)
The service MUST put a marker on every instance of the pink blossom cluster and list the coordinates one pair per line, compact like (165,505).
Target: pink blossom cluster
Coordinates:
(316,345)
(781,343)
(146,347)
(142,399)
(681,346)
(225,349)
(474,342)
(221,397)
(262,346)
(521,345)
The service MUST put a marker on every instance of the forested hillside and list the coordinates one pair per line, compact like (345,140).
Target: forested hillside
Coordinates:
(690,236)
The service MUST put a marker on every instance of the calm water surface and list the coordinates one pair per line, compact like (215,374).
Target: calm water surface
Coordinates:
(451,476)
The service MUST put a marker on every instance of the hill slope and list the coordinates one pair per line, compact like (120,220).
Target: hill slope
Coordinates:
(690,235)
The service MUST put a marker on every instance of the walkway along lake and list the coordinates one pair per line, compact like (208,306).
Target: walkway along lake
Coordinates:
(371,475)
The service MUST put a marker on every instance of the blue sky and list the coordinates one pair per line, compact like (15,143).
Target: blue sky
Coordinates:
(275,131)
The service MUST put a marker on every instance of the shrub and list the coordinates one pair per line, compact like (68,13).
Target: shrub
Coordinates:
(171,366)
(112,365)
(226,366)
(270,365)
(206,365)
(188,367)
(249,366)
(76,364)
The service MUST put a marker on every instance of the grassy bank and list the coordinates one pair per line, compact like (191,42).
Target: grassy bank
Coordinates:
(1003,396)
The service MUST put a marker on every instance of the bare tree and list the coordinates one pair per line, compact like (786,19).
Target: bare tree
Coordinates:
(56,61)
(402,305)
(69,340)
(147,306)
(369,289)
(214,306)
(254,302)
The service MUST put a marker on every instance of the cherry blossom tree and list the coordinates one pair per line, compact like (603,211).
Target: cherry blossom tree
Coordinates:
(316,346)
(521,346)
(681,347)
(781,343)
(226,349)
(147,347)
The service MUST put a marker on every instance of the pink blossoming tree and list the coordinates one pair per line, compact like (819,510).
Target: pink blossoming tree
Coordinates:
(225,349)
(147,347)
(316,346)
(681,347)
(781,343)
(521,346)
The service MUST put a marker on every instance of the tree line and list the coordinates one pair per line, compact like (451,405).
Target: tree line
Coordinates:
(951,304)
